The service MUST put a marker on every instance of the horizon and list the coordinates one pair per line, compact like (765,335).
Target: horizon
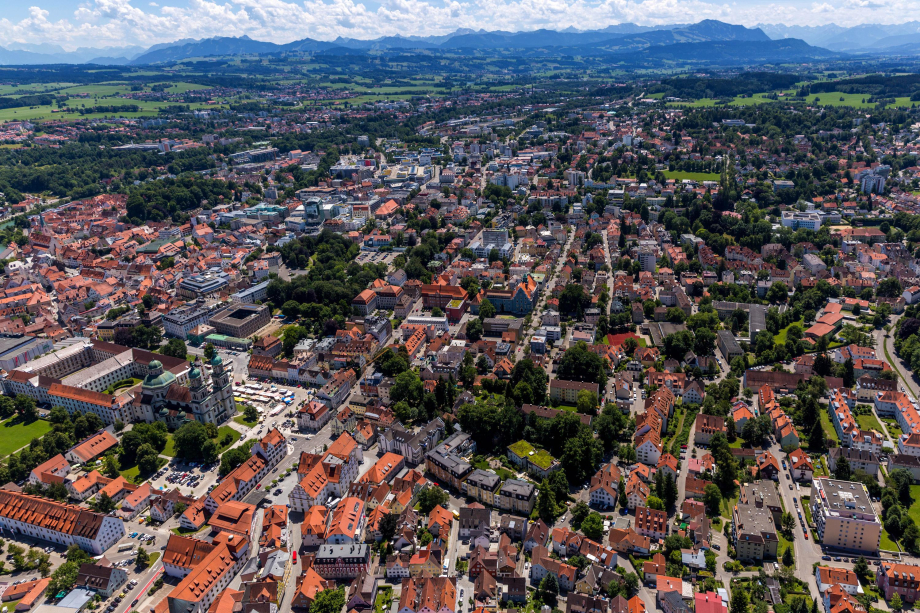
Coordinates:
(101,24)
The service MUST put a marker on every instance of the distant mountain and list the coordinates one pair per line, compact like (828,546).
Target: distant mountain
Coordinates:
(838,38)
(735,52)
(222,45)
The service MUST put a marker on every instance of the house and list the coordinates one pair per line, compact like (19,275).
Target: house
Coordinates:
(670,600)
(865,461)
(802,468)
(706,426)
(537,536)
(475,520)
(651,523)
(92,448)
(428,595)
(101,577)
(603,490)
(654,568)
(709,602)
(629,541)
(827,576)
(768,466)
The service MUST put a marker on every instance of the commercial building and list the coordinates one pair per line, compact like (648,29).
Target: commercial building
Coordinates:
(728,345)
(796,220)
(17,350)
(844,515)
(179,322)
(203,285)
(342,561)
(241,320)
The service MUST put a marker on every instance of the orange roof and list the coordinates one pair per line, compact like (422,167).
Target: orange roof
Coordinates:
(205,576)
(95,446)
(233,516)
(384,469)
(185,552)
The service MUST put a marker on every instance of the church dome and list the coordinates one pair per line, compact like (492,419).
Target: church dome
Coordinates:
(163,379)
(217,361)
(195,374)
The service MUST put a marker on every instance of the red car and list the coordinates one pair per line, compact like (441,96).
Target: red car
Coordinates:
(295,557)
(806,536)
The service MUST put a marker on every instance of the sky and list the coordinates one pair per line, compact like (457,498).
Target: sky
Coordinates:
(117,23)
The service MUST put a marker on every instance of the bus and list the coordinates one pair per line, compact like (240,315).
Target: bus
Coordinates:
(126,547)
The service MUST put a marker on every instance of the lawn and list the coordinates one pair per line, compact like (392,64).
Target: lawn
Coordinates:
(869,422)
(16,434)
(784,543)
(234,436)
(828,426)
(242,421)
(133,473)
(780,339)
(679,175)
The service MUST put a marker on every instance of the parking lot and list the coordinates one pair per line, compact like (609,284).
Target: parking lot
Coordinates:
(376,257)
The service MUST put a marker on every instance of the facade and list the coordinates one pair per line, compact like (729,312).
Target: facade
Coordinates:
(342,561)
(567,391)
(241,320)
(901,579)
(62,524)
(844,515)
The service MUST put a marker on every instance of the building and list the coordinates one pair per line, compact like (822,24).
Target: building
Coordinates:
(651,523)
(902,579)
(706,426)
(517,496)
(754,517)
(567,391)
(844,515)
(826,577)
(94,447)
(342,561)
(428,595)
(251,295)
(101,578)
(62,524)
(180,321)
(728,345)
(241,320)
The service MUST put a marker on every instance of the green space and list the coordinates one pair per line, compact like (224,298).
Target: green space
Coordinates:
(16,434)
(784,543)
(180,531)
(153,557)
(893,428)
(829,430)
(384,600)
(780,339)
(869,422)
(242,421)
(120,385)
(133,473)
(567,407)
(222,432)
(858,101)
(679,175)
(539,457)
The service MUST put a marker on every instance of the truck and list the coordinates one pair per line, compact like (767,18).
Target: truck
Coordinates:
(125,547)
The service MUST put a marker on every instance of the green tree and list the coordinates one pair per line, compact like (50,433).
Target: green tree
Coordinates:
(209,352)
(787,556)
(579,512)
(231,459)
(104,503)
(189,440)
(842,470)
(654,502)
(486,309)
(175,348)
(143,558)
(896,602)
(409,387)
(861,567)
(593,527)
(586,402)
(431,497)
(250,413)
(329,601)
(739,601)
(548,591)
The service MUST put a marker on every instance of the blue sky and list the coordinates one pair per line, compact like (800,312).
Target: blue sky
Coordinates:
(100,23)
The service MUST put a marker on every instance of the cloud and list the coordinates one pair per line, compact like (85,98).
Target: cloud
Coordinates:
(117,22)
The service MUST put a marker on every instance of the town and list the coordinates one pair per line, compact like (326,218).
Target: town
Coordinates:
(480,353)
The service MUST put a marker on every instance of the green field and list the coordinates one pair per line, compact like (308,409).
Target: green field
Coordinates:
(823,99)
(242,421)
(148,109)
(14,434)
(679,175)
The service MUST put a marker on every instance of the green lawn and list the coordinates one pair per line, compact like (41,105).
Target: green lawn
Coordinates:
(170,449)
(15,434)
(869,422)
(133,473)
(886,543)
(828,426)
(780,339)
(784,543)
(679,175)
(242,421)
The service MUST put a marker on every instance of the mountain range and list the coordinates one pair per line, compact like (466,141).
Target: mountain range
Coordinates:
(765,43)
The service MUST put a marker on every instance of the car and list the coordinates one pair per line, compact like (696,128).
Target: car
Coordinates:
(716,546)
(826,558)
(846,559)
(790,486)
(806,535)
(837,559)
(683,446)
(135,601)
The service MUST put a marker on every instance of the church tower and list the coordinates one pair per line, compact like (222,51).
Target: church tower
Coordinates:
(223,390)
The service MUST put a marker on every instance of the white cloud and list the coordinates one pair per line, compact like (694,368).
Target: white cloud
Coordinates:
(118,22)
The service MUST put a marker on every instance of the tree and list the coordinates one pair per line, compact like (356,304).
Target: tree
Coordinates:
(111,467)
(817,439)
(580,364)
(842,471)
(627,453)
(896,603)
(408,386)
(189,440)
(104,504)
(431,497)
(548,591)
(787,556)
(25,407)
(670,491)
(209,352)
(787,523)
(739,602)
(849,374)
(143,559)
(147,460)
(579,512)
(474,330)
(712,498)
(546,503)
(710,561)
(621,494)
(586,402)
(329,601)
(175,348)
(654,502)
(861,567)
(250,413)
(486,309)
(593,527)
(232,458)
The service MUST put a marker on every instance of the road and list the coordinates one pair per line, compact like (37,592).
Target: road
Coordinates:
(884,350)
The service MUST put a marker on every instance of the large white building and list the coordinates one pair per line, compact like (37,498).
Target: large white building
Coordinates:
(63,524)
(845,518)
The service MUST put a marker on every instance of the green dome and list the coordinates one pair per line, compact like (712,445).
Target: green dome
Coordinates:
(164,379)
(217,361)
(155,364)
(195,374)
